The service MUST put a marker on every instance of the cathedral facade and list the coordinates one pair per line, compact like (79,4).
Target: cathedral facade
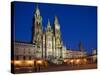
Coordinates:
(48,42)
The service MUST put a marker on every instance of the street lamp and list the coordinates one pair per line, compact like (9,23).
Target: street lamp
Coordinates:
(39,62)
(85,61)
(72,61)
(77,61)
(65,60)
(29,62)
(17,62)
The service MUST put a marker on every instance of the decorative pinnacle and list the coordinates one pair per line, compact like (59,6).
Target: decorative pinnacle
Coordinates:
(37,10)
(48,22)
(56,20)
(48,25)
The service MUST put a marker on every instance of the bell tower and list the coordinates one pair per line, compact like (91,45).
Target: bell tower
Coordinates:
(37,31)
(57,33)
(81,46)
(49,37)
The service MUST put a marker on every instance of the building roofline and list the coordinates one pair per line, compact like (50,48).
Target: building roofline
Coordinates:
(22,42)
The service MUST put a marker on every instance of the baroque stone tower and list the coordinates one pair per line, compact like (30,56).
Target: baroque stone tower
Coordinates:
(48,43)
(57,33)
(81,48)
(37,30)
(49,36)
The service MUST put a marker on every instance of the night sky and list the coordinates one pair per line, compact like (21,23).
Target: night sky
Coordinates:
(77,23)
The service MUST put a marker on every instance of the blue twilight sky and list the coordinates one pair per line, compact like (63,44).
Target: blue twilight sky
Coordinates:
(78,23)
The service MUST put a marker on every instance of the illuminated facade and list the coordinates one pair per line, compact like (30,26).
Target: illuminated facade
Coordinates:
(48,42)
(45,44)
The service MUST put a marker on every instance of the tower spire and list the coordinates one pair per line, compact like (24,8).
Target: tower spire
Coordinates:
(81,46)
(37,31)
(56,20)
(37,11)
(48,25)
(56,23)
